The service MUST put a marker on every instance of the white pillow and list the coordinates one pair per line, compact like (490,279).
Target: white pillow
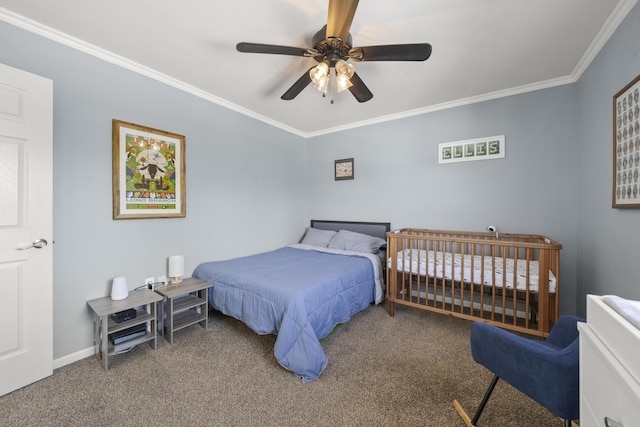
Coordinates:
(358,242)
(317,237)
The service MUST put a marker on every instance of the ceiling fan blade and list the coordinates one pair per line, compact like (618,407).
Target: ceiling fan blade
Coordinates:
(340,17)
(273,49)
(392,52)
(359,90)
(297,87)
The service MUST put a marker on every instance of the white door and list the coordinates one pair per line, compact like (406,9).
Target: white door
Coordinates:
(26,290)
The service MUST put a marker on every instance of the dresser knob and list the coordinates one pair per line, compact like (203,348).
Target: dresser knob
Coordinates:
(608,422)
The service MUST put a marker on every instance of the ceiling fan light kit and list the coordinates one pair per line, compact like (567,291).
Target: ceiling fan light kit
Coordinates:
(344,73)
(320,76)
(332,48)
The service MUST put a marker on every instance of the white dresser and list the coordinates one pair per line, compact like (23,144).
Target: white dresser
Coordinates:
(609,367)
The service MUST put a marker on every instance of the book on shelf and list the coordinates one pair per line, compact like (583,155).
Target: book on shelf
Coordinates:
(128,334)
(127,345)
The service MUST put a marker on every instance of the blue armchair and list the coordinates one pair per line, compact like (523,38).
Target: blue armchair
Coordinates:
(546,371)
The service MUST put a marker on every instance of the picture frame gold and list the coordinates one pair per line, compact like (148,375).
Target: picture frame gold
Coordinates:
(343,169)
(149,172)
(626,147)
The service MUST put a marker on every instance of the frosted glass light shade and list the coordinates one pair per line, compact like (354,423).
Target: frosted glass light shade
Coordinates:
(320,76)
(176,268)
(344,72)
(119,288)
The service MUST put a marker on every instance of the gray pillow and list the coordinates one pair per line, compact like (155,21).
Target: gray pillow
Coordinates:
(317,237)
(358,242)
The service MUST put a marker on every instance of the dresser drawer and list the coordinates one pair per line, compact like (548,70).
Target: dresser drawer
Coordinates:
(607,388)
(619,336)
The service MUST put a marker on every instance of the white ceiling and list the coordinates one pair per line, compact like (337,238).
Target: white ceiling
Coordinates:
(481,49)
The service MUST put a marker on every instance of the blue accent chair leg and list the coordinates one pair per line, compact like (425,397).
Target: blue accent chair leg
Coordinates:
(494,381)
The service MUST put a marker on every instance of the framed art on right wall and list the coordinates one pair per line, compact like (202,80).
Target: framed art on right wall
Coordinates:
(626,146)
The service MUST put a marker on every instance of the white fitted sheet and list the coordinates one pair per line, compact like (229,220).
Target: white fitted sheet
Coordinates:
(416,261)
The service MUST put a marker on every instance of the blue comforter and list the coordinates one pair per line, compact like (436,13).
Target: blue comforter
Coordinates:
(297,294)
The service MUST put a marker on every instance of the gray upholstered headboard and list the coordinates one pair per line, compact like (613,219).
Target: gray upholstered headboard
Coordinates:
(376,229)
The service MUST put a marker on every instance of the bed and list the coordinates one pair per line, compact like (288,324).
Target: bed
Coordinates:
(509,280)
(300,292)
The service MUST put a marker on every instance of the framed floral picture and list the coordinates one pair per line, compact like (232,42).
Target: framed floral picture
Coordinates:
(626,146)
(148,172)
(344,169)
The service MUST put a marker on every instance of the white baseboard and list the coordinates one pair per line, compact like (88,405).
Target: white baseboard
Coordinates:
(74,357)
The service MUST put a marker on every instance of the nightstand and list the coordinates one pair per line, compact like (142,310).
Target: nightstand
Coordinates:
(144,302)
(186,304)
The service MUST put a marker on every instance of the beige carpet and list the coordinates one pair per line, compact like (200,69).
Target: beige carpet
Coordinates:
(383,371)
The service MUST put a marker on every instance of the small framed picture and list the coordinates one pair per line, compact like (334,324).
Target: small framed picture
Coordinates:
(344,169)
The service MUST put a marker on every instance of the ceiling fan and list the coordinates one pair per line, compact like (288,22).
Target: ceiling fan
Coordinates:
(332,48)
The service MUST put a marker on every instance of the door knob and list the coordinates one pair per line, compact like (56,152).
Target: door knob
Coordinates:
(38,244)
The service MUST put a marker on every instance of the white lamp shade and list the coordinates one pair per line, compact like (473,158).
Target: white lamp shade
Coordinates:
(176,268)
(119,288)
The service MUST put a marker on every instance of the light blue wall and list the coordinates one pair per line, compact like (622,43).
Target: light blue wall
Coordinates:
(239,178)
(398,178)
(608,239)
(555,179)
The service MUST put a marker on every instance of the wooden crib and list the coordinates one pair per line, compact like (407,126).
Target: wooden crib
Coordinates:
(509,280)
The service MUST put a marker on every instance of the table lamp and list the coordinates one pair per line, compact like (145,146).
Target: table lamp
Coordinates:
(119,288)
(176,268)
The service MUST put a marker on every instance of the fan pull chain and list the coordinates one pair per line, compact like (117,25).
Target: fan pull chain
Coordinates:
(333,85)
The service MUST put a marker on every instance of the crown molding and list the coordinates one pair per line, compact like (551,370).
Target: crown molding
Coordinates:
(615,19)
(110,57)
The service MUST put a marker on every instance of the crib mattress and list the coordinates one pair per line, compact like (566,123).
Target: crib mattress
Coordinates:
(452,267)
